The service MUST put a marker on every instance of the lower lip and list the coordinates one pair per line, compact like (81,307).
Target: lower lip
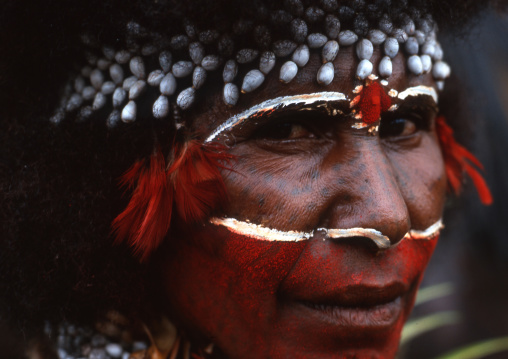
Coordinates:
(380,316)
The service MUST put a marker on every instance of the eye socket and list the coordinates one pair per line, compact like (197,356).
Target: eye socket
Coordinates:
(284,130)
(398,127)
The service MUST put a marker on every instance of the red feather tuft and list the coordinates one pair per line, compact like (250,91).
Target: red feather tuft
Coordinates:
(193,180)
(373,102)
(458,160)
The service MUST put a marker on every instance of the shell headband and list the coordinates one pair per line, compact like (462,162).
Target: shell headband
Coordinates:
(174,69)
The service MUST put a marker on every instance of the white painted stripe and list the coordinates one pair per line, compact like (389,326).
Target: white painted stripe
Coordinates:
(276,103)
(417,91)
(260,232)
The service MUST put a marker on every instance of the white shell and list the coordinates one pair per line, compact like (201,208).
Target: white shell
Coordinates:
(119,97)
(165,60)
(438,53)
(137,89)
(441,70)
(288,71)
(252,80)
(129,112)
(231,94)
(245,56)
(316,40)
(391,47)
(364,69)
(198,77)
(414,63)
(347,38)
(301,55)
(88,93)
(385,25)
(99,101)
(128,82)
(79,84)
(108,52)
(168,85)
(332,25)
(420,37)
(116,73)
(74,102)
(412,46)
(155,77)
(137,67)
(103,64)
(440,85)
(325,74)
(429,48)
(196,52)
(364,49)
(400,35)
(160,107)
(330,51)
(148,49)
(122,56)
(267,62)
(230,71)
(186,98)
(113,119)
(96,78)
(377,37)
(426,63)
(409,27)
(385,67)
(108,87)
(210,62)
(182,68)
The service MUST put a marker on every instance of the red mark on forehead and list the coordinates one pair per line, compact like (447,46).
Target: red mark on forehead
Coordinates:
(371,102)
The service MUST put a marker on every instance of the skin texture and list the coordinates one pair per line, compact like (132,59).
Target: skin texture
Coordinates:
(251,297)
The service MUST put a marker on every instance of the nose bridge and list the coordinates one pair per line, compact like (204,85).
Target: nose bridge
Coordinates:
(376,200)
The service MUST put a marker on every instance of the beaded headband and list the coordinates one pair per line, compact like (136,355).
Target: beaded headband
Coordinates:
(175,68)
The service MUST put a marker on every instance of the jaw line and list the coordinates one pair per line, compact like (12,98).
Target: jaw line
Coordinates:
(260,232)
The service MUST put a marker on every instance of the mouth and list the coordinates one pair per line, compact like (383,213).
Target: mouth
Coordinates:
(358,306)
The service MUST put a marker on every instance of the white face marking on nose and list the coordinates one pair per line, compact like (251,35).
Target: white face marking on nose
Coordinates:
(260,232)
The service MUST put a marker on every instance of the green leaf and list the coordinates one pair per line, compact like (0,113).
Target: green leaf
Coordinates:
(418,326)
(478,350)
(433,292)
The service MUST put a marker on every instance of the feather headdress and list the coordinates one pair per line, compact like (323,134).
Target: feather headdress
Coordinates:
(189,181)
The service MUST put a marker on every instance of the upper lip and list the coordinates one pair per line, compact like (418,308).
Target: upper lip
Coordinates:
(356,296)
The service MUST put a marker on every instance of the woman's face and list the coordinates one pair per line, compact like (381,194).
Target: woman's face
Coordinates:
(302,171)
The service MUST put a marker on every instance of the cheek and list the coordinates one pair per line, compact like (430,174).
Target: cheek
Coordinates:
(267,188)
(227,285)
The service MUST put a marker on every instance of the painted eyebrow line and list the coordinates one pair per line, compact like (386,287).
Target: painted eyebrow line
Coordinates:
(276,104)
(306,99)
(260,232)
(418,91)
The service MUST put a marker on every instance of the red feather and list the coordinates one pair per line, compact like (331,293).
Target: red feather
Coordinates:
(459,160)
(373,102)
(192,179)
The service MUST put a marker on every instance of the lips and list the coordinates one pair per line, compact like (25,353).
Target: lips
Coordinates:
(358,305)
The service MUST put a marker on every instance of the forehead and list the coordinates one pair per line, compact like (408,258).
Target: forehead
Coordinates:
(214,111)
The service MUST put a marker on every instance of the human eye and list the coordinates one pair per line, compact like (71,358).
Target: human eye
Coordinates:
(287,128)
(410,120)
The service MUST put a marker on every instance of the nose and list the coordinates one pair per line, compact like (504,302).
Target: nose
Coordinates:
(367,195)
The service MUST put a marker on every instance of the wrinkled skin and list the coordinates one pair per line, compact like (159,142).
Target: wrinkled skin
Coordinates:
(251,297)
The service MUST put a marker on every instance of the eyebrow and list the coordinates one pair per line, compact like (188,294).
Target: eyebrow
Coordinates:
(276,104)
(260,232)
